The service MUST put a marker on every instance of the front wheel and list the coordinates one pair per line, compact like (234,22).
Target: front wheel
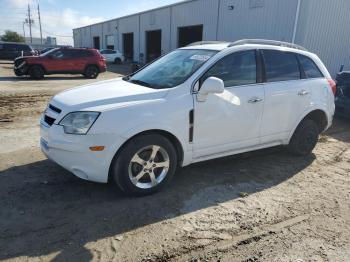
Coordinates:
(304,138)
(144,165)
(36,72)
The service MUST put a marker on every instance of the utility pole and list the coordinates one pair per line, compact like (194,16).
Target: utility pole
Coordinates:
(30,24)
(24,32)
(41,34)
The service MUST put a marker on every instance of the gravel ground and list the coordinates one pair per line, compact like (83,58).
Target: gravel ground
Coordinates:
(260,206)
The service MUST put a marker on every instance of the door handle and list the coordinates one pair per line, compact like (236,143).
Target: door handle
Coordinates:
(303,93)
(255,100)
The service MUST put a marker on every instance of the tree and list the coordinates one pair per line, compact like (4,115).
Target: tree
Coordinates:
(11,36)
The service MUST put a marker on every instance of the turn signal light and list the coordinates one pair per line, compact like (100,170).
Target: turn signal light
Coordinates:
(97,148)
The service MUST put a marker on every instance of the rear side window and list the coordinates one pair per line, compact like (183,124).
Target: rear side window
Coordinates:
(280,66)
(235,69)
(10,47)
(86,53)
(310,68)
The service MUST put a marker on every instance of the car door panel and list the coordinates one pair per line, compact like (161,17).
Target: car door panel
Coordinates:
(228,121)
(231,120)
(286,95)
(284,103)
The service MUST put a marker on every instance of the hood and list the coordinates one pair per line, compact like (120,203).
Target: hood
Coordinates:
(20,59)
(105,94)
(27,57)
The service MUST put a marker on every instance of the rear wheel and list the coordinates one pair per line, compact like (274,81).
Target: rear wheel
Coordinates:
(36,72)
(91,72)
(304,138)
(117,61)
(145,165)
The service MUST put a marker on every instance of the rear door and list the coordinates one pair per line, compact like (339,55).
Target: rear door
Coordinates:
(79,59)
(287,95)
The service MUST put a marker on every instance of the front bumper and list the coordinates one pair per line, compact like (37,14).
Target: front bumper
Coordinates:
(72,151)
(21,69)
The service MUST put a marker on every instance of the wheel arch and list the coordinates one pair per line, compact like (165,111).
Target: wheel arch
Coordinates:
(318,115)
(39,65)
(171,137)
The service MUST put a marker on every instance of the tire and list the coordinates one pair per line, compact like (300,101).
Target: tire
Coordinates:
(304,138)
(117,61)
(134,166)
(18,73)
(91,72)
(36,72)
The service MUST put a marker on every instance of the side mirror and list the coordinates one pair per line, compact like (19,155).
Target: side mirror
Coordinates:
(211,85)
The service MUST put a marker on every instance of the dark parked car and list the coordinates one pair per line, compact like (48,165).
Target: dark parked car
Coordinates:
(86,61)
(342,96)
(10,50)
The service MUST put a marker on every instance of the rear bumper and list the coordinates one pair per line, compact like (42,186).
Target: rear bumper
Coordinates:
(103,68)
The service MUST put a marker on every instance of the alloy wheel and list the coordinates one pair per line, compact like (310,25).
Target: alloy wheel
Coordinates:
(149,166)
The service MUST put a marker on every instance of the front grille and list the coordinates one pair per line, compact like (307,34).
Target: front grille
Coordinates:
(55,109)
(49,120)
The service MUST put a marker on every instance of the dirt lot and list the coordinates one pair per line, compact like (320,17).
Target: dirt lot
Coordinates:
(261,206)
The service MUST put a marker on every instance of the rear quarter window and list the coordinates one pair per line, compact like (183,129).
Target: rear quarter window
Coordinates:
(281,66)
(310,68)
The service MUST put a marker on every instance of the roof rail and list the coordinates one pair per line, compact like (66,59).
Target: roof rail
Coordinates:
(267,42)
(207,43)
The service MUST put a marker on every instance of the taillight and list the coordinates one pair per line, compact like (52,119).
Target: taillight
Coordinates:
(332,85)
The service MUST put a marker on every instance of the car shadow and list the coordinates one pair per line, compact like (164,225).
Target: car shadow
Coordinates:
(340,129)
(45,209)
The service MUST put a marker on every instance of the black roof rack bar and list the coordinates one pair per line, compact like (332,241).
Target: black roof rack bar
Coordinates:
(207,43)
(267,42)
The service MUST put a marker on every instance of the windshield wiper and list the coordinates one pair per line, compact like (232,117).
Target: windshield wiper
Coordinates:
(140,82)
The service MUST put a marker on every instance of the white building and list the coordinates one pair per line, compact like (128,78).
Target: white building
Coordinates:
(322,26)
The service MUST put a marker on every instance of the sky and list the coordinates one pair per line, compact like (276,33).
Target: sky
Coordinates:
(59,17)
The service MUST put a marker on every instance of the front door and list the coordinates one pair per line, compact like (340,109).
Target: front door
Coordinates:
(62,60)
(230,121)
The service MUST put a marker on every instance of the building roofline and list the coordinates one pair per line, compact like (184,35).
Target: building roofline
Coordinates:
(139,13)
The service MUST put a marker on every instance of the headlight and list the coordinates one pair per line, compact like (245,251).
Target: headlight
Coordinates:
(78,123)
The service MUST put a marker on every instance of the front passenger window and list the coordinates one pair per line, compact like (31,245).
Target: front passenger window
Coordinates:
(235,69)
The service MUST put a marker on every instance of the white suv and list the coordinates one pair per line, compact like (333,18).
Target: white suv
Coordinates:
(196,103)
(112,56)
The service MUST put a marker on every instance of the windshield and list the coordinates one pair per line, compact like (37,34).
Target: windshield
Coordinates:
(172,69)
(48,52)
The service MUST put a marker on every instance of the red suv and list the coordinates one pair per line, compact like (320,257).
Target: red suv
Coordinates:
(86,61)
